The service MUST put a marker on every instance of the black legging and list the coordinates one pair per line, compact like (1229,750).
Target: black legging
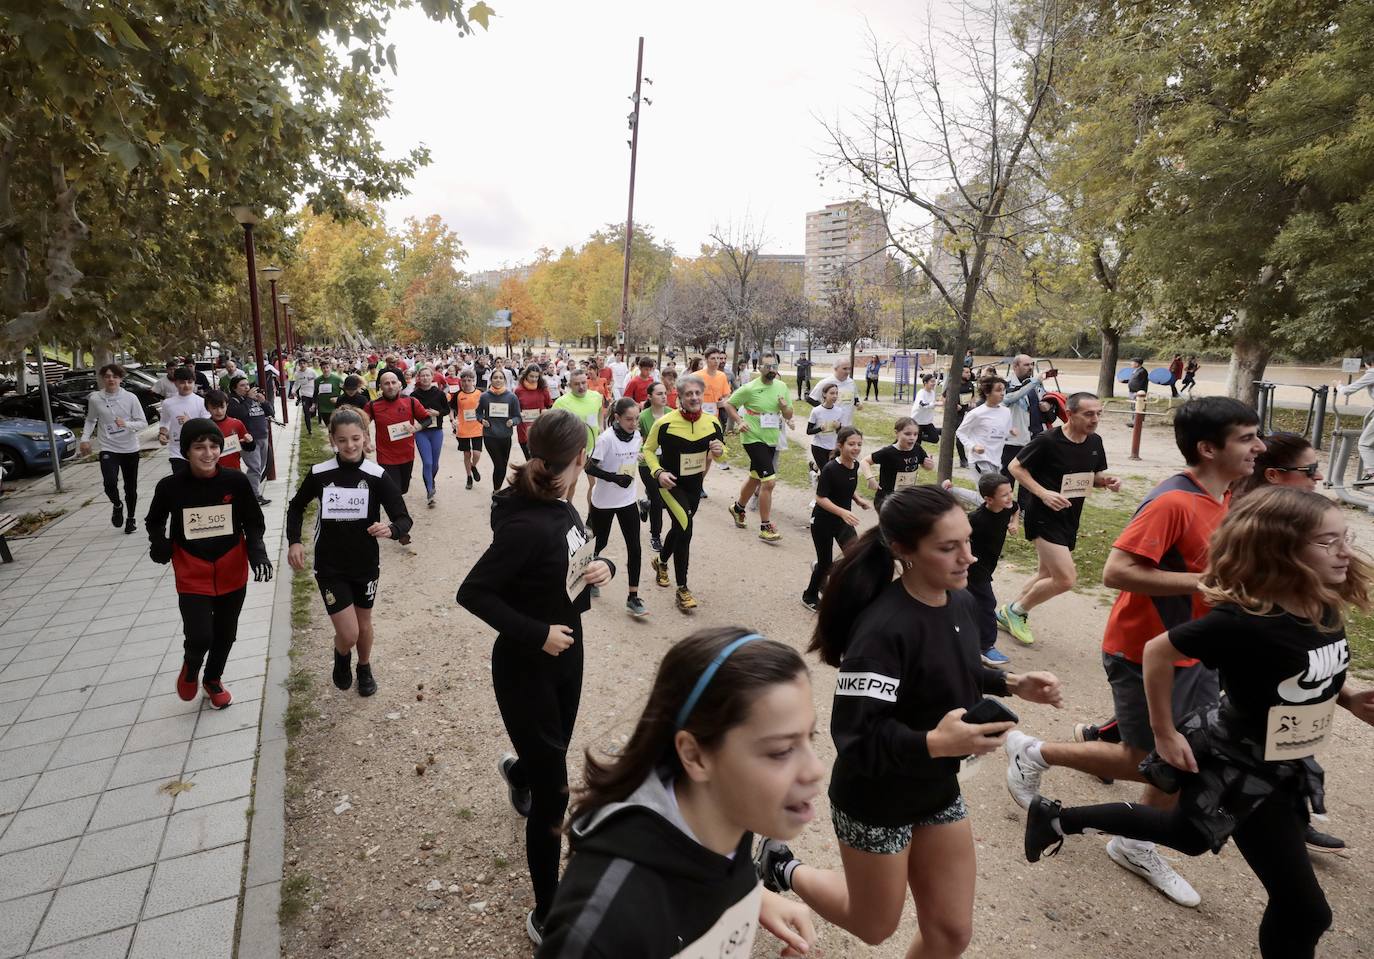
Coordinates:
(499,448)
(400,473)
(1272,841)
(655,502)
(820,456)
(112,465)
(211,624)
(928,433)
(678,544)
(871,386)
(538,696)
(825,533)
(525,448)
(629,528)
(307,412)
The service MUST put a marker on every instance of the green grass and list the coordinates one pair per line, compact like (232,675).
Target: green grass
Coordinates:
(313,448)
(295,896)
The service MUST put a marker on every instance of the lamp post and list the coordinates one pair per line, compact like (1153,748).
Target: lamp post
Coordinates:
(272,272)
(248,219)
(285,300)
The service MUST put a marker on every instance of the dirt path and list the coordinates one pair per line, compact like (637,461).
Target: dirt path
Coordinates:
(401,863)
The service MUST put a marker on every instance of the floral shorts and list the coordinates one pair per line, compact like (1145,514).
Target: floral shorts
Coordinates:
(890,840)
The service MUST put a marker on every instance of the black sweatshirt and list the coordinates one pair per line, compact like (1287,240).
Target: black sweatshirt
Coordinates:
(638,886)
(432,399)
(210,565)
(343,547)
(906,666)
(519,585)
(988,537)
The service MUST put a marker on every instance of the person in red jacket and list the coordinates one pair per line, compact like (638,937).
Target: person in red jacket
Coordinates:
(397,419)
(236,435)
(637,387)
(534,400)
(207,523)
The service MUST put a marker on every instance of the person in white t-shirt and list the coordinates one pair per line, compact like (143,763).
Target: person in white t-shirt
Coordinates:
(176,411)
(620,372)
(923,410)
(849,391)
(985,428)
(614,461)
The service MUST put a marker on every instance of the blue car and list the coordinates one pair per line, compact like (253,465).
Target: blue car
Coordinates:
(24,446)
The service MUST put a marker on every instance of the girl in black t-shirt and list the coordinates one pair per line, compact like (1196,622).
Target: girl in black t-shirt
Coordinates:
(897,463)
(1283,571)
(832,518)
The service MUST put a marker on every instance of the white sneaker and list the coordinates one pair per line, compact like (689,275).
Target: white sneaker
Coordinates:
(534,929)
(1146,862)
(1023,773)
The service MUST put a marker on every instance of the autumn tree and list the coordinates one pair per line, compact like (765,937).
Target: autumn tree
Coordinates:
(526,319)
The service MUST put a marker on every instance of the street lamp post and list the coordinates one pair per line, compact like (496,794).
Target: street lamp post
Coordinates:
(285,300)
(248,219)
(272,272)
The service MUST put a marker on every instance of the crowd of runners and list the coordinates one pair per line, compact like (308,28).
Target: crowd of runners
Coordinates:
(1224,651)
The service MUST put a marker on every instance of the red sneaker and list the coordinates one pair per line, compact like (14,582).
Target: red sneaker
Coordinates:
(186,682)
(215,692)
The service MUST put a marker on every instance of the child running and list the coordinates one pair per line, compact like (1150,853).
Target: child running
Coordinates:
(993,517)
(499,412)
(822,426)
(614,460)
(235,433)
(351,492)
(661,832)
(985,428)
(832,519)
(907,652)
(897,462)
(467,428)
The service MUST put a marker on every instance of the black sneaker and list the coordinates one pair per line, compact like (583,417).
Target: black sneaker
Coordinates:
(263,501)
(117,516)
(1322,842)
(469,482)
(521,798)
(655,543)
(644,511)
(366,684)
(476,476)
(343,669)
(1040,831)
(774,862)
(812,604)
(130,525)
(534,928)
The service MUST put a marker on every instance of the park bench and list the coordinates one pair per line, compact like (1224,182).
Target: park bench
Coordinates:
(8,521)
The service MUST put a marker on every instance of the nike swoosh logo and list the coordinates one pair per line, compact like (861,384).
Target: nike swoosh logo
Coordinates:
(1295,690)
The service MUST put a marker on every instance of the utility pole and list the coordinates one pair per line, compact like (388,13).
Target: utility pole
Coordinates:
(630,211)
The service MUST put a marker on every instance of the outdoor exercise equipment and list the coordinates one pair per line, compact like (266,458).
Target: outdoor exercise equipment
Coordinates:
(1344,442)
(1315,424)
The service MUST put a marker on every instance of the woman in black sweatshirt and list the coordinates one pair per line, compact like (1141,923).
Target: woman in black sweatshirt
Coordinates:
(907,652)
(534,597)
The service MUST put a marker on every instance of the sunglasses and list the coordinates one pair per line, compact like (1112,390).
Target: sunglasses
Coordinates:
(1310,470)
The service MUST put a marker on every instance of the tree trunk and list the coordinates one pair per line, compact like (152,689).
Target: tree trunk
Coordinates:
(1106,370)
(944,465)
(1249,357)
(851,357)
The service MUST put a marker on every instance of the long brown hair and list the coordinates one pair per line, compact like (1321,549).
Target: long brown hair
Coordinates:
(1280,450)
(1254,559)
(724,704)
(554,440)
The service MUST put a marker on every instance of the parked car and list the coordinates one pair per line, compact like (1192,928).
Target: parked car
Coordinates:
(24,446)
(77,385)
(29,406)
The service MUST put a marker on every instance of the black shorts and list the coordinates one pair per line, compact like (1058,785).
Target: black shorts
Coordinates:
(339,594)
(470,444)
(400,474)
(1044,523)
(1195,687)
(761,460)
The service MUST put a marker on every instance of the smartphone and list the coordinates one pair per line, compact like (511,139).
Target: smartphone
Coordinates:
(990,711)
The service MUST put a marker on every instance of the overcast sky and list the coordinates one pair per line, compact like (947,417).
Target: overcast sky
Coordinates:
(527,122)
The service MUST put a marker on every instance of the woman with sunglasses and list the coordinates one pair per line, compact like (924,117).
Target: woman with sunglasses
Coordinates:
(1288,460)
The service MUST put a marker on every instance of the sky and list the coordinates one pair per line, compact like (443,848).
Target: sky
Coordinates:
(527,122)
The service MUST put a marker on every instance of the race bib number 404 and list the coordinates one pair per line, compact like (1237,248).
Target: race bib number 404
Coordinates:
(344,503)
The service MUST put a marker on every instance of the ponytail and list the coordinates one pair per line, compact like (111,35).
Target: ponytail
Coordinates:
(845,433)
(554,441)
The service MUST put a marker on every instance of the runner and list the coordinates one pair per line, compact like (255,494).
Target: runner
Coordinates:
(637,387)
(354,393)
(351,492)
(235,433)
(678,451)
(1365,444)
(1058,467)
(1022,398)
(214,538)
(613,460)
(758,409)
(304,386)
(119,416)
(176,411)
(1156,562)
(897,462)
(247,405)
(669,380)
(499,412)
(397,419)
(530,586)
(849,390)
(533,397)
(651,507)
(430,439)
(986,427)
(662,831)
(717,384)
(467,428)
(328,386)
(1282,575)
(589,407)
(803,376)
(906,651)
(824,423)
(923,410)
(993,517)
(832,519)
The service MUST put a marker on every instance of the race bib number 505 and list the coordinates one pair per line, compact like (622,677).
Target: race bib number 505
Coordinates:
(207,522)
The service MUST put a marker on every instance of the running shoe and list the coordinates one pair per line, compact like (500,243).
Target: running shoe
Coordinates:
(215,692)
(769,533)
(469,482)
(263,501)
(534,928)
(644,511)
(1146,862)
(187,682)
(655,543)
(1040,831)
(995,658)
(1001,618)
(343,669)
(739,516)
(660,569)
(703,493)
(367,685)
(685,600)
(724,466)
(1023,773)
(596,592)
(1318,841)
(117,516)
(521,797)
(636,607)
(476,476)
(812,604)
(130,525)
(1085,733)
(774,864)
(1017,625)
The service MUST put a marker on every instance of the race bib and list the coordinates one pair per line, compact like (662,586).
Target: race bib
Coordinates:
(627,468)
(207,522)
(113,430)
(398,431)
(709,408)
(453,388)
(1296,732)
(770,421)
(498,411)
(578,562)
(469,416)
(691,464)
(325,389)
(529,416)
(1075,485)
(732,935)
(344,503)
(903,480)
(593,420)
(232,444)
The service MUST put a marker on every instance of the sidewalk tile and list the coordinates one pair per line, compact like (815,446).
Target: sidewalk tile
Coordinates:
(37,731)
(20,689)
(125,668)
(90,719)
(21,622)
(9,639)
(70,620)
(119,807)
(59,785)
(222,749)
(55,704)
(26,760)
(28,669)
(165,938)
(196,879)
(161,732)
(18,920)
(97,906)
(217,785)
(13,792)
(85,658)
(107,945)
(59,646)
(107,694)
(34,827)
(115,850)
(33,870)
(161,706)
(122,606)
(104,624)
(73,679)
(244,714)
(161,763)
(238,670)
(207,827)
(88,747)
(139,646)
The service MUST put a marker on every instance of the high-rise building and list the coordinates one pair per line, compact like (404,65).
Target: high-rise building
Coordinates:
(844,236)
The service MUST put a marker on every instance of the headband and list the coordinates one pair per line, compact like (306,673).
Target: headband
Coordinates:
(708,674)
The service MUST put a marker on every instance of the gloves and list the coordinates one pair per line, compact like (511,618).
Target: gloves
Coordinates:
(623,481)
(262,571)
(160,552)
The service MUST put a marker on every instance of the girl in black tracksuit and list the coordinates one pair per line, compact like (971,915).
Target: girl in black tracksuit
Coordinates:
(524,594)
(832,520)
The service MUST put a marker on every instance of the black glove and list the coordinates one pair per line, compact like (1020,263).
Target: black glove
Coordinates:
(262,571)
(623,481)
(160,551)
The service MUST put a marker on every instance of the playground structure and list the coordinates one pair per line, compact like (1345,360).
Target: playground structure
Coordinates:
(1344,441)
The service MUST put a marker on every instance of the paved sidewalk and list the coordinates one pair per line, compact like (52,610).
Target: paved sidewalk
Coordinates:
(124,812)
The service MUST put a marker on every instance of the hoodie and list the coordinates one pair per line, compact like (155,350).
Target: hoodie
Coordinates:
(521,591)
(639,885)
(226,529)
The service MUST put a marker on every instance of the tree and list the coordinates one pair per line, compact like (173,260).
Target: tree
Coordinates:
(341,275)
(441,316)
(695,318)
(733,259)
(526,320)
(850,313)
